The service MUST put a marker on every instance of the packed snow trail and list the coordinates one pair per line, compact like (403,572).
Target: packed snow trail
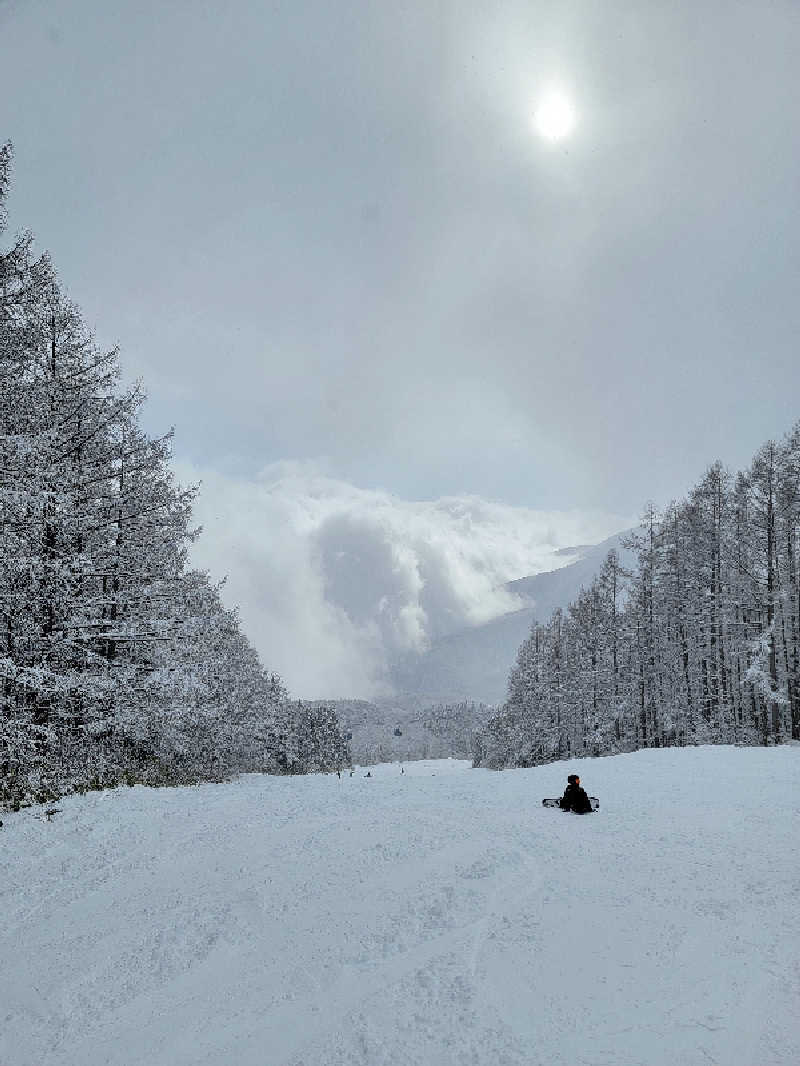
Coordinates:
(436,917)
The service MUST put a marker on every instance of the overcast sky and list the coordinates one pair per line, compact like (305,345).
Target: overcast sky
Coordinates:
(327,234)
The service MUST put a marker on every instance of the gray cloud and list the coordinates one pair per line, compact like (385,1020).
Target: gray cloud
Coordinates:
(326,233)
(333,581)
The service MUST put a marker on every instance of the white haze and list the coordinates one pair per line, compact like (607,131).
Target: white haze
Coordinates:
(332,580)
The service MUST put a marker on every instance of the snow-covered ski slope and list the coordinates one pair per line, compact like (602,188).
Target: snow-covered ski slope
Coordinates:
(441,916)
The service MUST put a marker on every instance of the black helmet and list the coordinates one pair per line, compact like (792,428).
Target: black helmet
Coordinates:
(573,779)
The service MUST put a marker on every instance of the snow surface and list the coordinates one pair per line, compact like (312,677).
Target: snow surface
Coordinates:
(440,916)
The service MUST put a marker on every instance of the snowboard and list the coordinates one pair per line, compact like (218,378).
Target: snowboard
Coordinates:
(595,802)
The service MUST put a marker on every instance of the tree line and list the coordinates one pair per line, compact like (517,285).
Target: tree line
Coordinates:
(458,724)
(118,662)
(697,643)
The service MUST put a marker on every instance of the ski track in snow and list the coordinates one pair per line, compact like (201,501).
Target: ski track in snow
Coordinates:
(432,918)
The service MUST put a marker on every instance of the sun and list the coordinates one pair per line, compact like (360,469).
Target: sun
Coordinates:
(554,117)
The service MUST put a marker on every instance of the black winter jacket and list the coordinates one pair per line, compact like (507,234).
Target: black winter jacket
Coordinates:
(575,799)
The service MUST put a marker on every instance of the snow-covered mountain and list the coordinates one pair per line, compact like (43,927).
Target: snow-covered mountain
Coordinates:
(433,918)
(474,663)
(389,730)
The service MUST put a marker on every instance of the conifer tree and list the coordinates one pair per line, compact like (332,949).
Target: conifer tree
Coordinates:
(698,643)
(116,659)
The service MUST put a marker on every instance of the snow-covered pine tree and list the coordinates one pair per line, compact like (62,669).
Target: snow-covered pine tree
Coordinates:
(700,643)
(116,661)
(788,548)
(457,724)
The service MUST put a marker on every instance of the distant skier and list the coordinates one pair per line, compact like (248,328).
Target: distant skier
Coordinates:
(368,773)
(574,798)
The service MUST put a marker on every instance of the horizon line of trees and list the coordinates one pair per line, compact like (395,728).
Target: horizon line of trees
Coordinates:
(118,662)
(697,643)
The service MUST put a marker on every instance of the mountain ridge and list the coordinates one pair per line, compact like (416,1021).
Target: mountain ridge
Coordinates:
(474,663)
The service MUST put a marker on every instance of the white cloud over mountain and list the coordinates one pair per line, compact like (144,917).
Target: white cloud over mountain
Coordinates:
(333,581)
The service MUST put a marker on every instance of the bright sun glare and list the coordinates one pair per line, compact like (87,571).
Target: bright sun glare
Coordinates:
(554,117)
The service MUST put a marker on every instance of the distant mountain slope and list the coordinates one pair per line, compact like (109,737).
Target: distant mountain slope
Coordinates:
(382,731)
(474,664)
(557,588)
(390,730)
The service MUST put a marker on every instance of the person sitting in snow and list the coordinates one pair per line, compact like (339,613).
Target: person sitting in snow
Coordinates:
(574,798)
